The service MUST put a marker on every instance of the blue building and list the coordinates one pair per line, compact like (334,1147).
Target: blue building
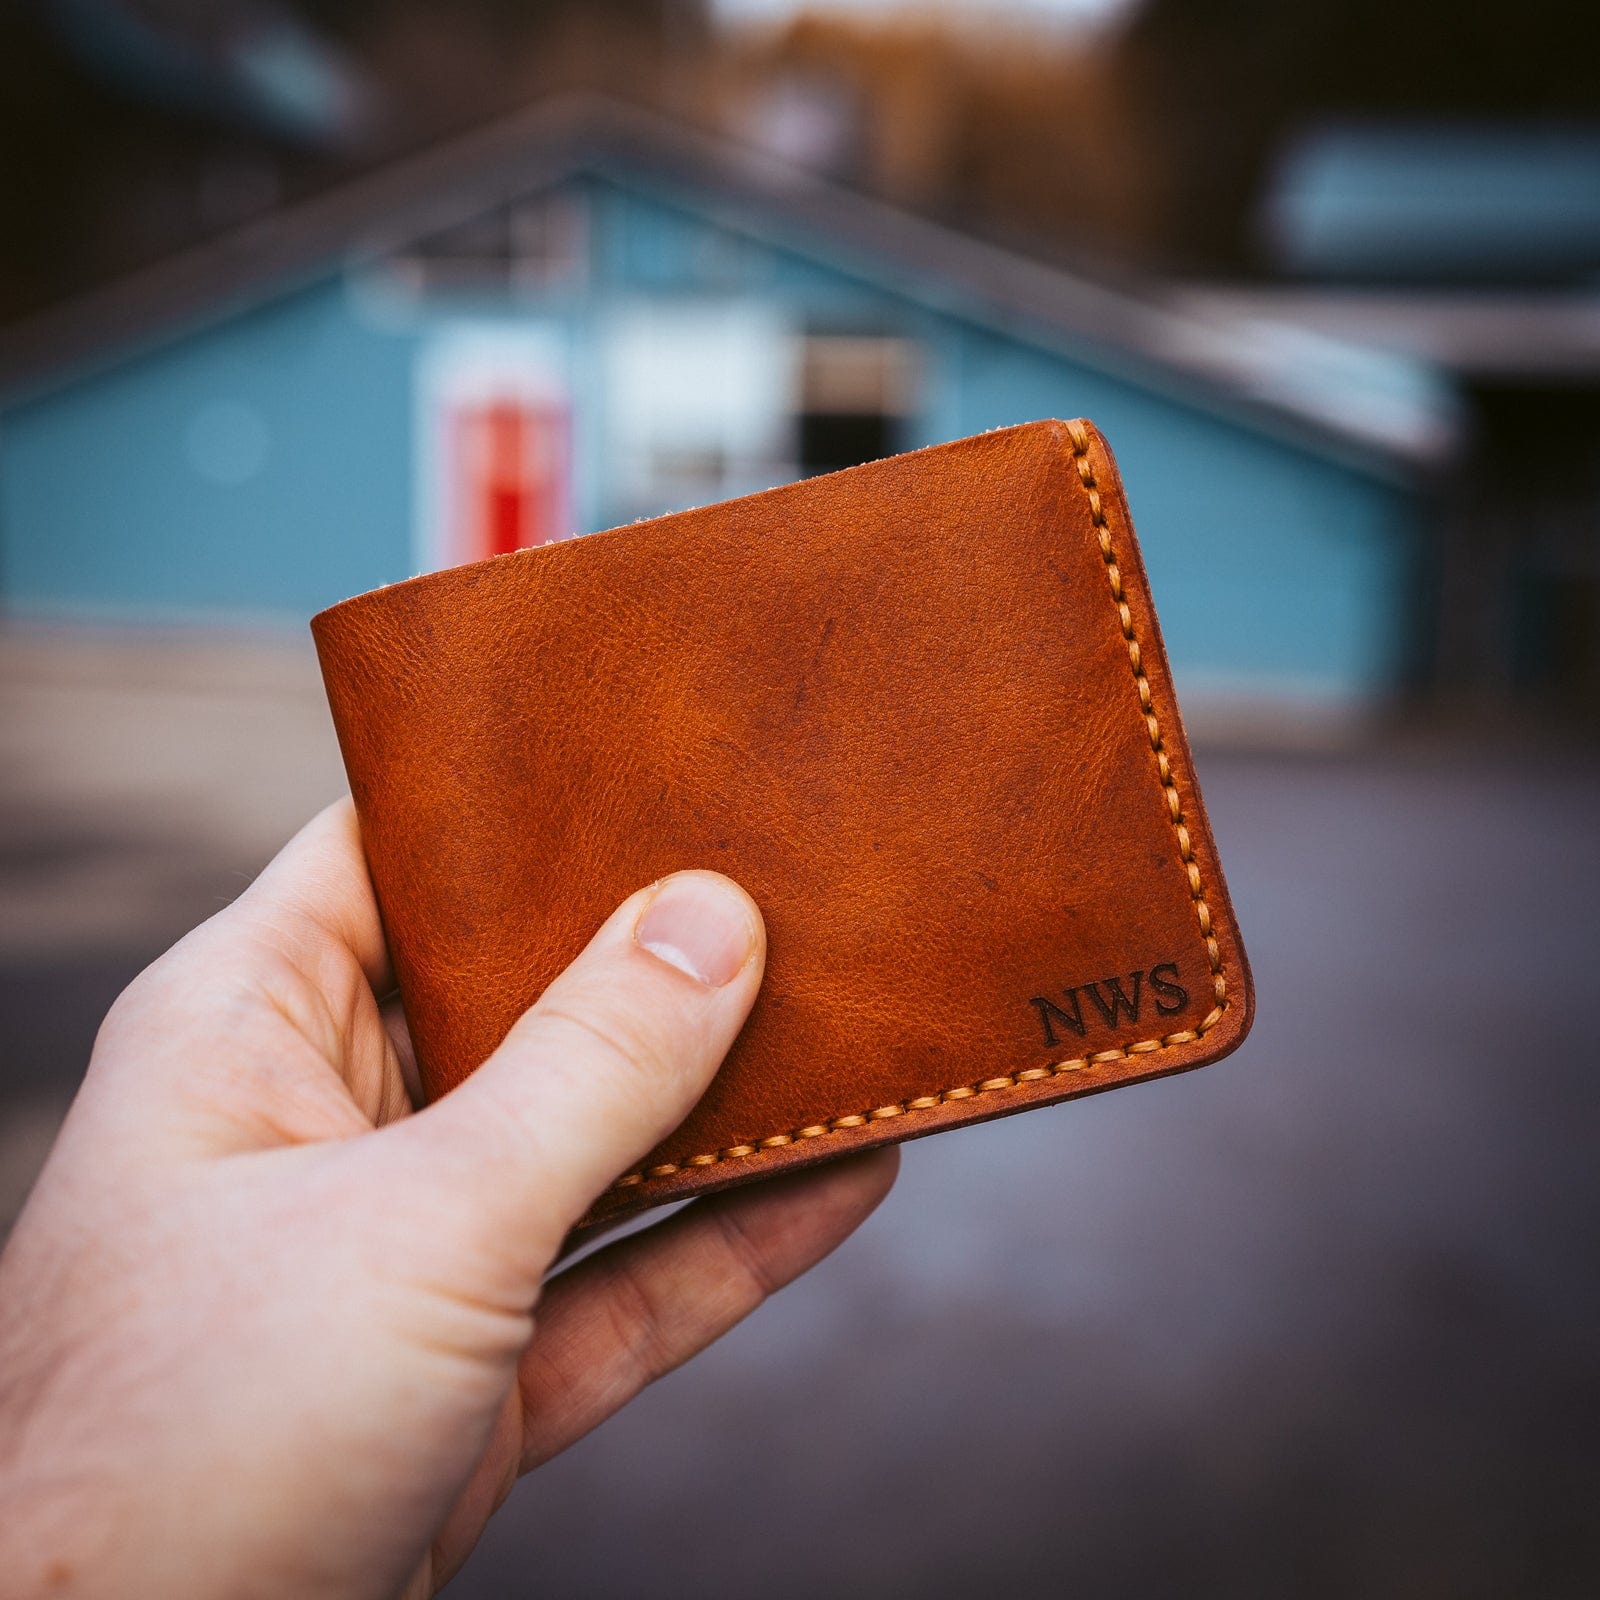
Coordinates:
(588,315)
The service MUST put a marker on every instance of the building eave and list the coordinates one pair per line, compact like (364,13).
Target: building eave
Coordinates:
(1201,355)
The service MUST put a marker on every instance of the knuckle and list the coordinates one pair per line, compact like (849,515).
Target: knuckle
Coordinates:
(634,1061)
(747,1258)
(639,1325)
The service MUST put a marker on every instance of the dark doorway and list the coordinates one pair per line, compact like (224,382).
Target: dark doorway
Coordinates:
(856,391)
(830,440)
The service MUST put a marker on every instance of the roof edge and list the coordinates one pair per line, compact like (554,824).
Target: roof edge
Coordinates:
(1206,357)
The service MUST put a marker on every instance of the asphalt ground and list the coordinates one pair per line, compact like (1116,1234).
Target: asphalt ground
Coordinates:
(1319,1319)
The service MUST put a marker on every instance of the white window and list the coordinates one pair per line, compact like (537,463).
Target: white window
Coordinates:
(699,401)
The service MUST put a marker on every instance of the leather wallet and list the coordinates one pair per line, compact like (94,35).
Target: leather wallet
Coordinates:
(919,709)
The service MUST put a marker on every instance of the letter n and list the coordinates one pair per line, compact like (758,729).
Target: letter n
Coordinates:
(1050,1012)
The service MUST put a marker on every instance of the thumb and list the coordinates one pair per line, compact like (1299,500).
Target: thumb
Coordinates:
(605,1064)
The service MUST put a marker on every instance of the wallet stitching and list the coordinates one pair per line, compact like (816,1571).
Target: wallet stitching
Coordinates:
(1100,1058)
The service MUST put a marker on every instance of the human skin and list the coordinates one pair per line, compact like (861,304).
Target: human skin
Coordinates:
(267,1330)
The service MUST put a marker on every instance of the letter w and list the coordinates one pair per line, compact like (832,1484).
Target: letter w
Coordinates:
(1119,1002)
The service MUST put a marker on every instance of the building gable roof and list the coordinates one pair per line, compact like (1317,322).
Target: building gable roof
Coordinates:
(1358,406)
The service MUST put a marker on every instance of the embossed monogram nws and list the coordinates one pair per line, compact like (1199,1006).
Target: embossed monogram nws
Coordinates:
(1111,1001)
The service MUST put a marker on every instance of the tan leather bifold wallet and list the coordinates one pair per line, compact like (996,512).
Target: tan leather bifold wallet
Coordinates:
(919,709)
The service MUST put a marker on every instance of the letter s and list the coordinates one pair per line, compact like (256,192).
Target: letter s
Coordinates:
(1171,996)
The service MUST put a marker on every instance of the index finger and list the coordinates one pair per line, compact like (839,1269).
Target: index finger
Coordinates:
(320,879)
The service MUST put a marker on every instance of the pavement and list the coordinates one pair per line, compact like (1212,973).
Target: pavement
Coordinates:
(1320,1318)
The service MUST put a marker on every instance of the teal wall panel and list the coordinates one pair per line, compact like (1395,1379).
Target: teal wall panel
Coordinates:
(1267,561)
(260,465)
(264,463)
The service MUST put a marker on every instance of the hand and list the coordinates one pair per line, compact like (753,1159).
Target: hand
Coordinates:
(266,1331)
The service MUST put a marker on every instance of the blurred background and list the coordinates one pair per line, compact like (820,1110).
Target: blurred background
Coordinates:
(298,297)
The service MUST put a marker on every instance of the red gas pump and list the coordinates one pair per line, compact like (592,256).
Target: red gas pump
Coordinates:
(511,474)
